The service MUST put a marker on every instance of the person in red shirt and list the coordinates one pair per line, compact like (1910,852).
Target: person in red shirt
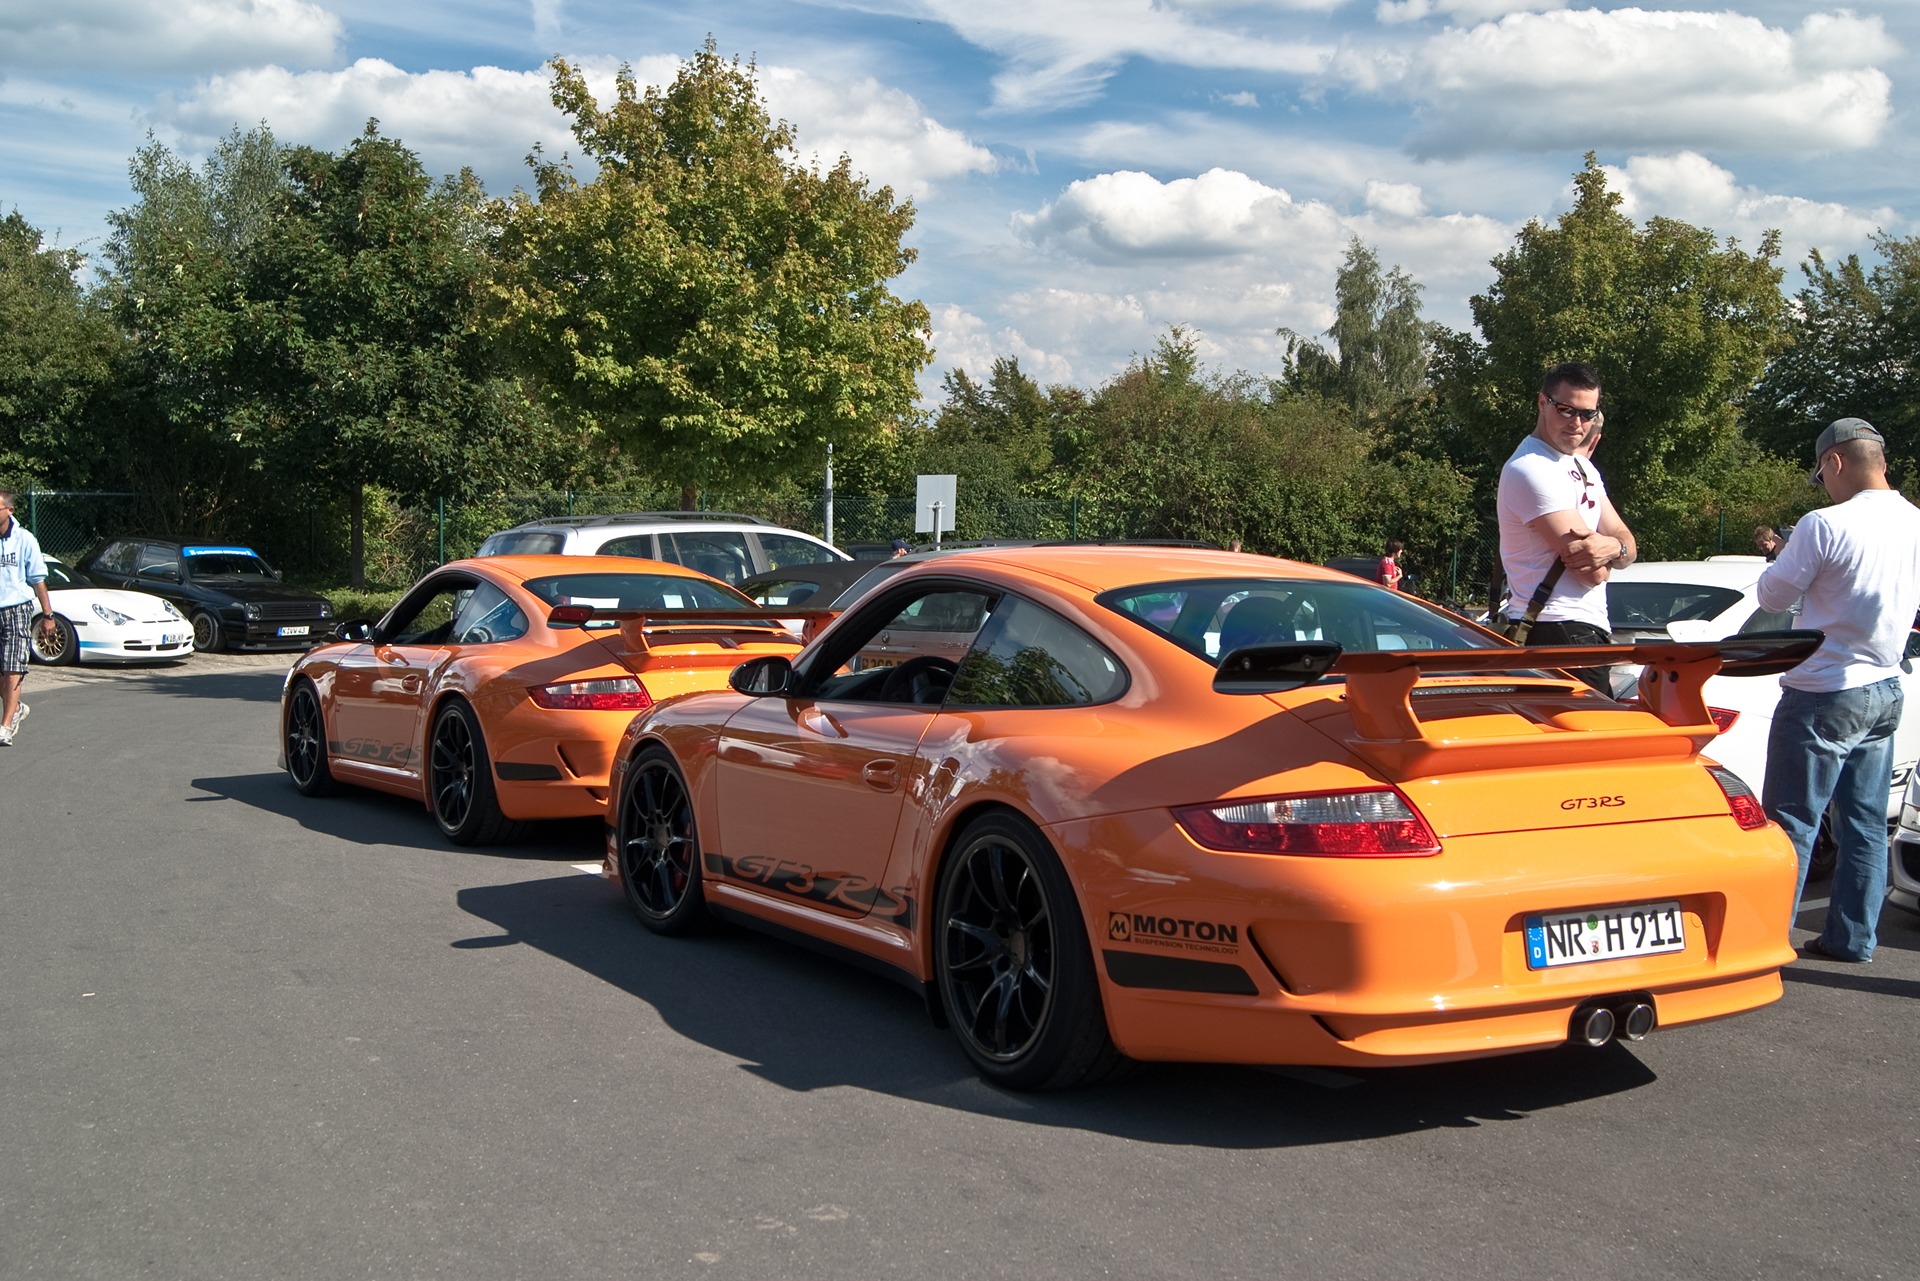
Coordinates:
(1389,574)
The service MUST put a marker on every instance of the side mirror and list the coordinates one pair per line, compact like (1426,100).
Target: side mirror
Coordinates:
(357,630)
(761,677)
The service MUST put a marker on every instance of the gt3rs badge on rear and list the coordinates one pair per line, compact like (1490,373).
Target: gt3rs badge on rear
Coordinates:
(1592,802)
(1146,929)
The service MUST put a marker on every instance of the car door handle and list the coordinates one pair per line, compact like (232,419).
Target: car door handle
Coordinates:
(410,685)
(882,776)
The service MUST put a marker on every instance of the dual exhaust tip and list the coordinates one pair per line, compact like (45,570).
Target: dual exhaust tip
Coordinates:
(1595,1023)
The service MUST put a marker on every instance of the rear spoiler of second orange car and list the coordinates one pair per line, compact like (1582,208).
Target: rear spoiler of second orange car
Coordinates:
(1379,686)
(725,626)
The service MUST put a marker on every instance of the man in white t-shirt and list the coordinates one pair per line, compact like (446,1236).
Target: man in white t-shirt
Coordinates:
(1554,509)
(1854,568)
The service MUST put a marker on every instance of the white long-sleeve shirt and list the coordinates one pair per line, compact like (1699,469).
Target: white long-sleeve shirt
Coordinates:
(1856,567)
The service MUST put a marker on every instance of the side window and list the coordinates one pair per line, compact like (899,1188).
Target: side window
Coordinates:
(782,550)
(717,554)
(426,618)
(1031,657)
(640,545)
(489,615)
(909,651)
(529,542)
(1762,620)
(158,562)
(119,558)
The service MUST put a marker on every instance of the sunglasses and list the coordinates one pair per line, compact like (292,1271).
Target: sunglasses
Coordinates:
(1572,411)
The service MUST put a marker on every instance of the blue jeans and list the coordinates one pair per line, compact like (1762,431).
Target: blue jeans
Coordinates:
(1837,749)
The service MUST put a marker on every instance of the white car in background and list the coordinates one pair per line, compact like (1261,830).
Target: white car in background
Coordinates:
(1903,876)
(1712,600)
(100,624)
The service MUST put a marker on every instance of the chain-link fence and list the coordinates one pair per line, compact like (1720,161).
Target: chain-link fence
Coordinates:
(67,523)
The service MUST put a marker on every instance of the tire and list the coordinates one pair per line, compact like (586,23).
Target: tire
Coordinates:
(659,848)
(303,737)
(1825,850)
(208,636)
(1013,964)
(62,651)
(460,781)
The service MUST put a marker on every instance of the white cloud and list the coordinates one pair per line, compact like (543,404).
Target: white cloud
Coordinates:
(963,340)
(1402,199)
(1693,189)
(1393,11)
(1129,215)
(1061,52)
(164,35)
(1573,80)
(489,118)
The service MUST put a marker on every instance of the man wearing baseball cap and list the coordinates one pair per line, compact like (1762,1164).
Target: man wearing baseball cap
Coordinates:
(1854,570)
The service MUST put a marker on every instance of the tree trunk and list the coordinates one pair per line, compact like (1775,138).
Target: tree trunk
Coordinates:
(357,555)
(689,498)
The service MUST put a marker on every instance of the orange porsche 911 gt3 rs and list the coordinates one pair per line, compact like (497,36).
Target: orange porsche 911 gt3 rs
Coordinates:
(496,689)
(1171,804)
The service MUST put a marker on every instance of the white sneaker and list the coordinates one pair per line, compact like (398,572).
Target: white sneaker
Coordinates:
(6,736)
(19,714)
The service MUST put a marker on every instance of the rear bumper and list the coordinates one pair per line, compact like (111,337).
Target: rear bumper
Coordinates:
(1260,959)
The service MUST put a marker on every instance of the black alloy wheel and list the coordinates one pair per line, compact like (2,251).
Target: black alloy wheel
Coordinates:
(208,636)
(1013,964)
(460,781)
(659,847)
(305,743)
(62,651)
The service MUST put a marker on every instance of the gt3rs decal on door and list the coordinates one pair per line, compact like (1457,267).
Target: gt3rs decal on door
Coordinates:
(852,892)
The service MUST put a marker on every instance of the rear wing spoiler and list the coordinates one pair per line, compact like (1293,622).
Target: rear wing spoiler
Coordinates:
(723,626)
(1379,687)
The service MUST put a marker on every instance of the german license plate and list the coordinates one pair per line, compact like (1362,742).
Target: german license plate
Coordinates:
(293,631)
(1604,934)
(173,638)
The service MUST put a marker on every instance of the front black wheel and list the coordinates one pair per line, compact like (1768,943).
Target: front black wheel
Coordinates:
(1013,964)
(460,781)
(61,650)
(304,739)
(208,636)
(659,847)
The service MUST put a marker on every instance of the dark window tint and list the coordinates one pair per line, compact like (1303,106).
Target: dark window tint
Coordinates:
(640,545)
(425,616)
(1648,605)
(523,542)
(718,554)
(118,558)
(1765,620)
(228,565)
(1031,657)
(782,550)
(1214,617)
(654,592)
(785,591)
(488,615)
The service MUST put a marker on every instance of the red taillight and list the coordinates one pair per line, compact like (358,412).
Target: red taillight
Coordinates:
(1741,802)
(1377,824)
(1723,718)
(621,694)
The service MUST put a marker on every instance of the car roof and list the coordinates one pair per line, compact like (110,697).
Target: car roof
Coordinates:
(1098,567)
(521,568)
(641,518)
(1736,572)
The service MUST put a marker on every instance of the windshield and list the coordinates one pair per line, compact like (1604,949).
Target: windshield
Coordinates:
(227,564)
(651,592)
(1636,605)
(58,575)
(1213,617)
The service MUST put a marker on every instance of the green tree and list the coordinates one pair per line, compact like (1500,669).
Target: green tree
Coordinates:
(718,310)
(363,355)
(57,347)
(1679,324)
(1854,351)
(1380,342)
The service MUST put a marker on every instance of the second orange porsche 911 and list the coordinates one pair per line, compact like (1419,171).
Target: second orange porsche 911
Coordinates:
(1173,804)
(496,689)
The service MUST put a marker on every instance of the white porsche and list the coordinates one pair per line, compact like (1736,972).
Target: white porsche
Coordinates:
(100,625)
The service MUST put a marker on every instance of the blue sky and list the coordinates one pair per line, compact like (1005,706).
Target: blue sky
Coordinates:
(1087,173)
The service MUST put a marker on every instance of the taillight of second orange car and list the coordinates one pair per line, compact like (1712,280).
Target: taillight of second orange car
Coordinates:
(614,694)
(1367,824)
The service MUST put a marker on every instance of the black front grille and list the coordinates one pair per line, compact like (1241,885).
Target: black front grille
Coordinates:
(274,611)
(1908,853)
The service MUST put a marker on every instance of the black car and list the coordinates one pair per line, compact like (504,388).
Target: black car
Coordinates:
(234,599)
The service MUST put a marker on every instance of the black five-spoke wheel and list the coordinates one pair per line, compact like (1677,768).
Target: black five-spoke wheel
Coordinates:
(306,743)
(1014,967)
(659,849)
(460,781)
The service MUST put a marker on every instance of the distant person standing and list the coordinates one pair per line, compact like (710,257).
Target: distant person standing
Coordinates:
(900,548)
(1554,511)
(1389,574)
(23,579)
(1855,569)
(1767,541)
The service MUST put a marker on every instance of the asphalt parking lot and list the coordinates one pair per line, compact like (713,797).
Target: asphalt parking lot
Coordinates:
(249,1034)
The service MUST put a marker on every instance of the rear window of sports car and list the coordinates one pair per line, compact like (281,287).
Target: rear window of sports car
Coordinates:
(636,591)
(1212,617)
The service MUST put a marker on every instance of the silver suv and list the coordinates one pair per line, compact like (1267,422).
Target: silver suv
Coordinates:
(721,545)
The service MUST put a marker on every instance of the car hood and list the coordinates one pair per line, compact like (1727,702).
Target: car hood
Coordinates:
(241,590)
(142,607)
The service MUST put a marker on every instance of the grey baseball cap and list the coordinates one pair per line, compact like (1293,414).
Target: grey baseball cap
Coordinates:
(1839,432)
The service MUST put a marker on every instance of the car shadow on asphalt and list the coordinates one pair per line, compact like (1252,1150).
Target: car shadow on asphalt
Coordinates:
(255,686)
(376,818)
(804,1022)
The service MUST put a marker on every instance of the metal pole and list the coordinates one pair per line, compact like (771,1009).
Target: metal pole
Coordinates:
(33,512)
(827,507)
(440,521)
(936,524)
